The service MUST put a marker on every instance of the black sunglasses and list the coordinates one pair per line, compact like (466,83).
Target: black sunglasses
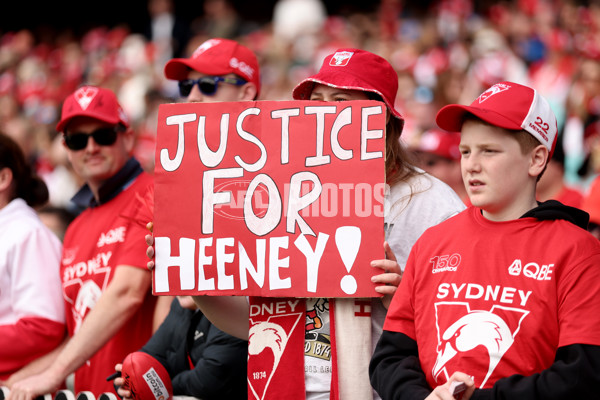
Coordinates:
(206,84)
(102,136)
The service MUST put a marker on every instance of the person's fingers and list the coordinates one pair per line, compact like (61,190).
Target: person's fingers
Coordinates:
(391,279)
(124,393)
(150,252)
(389,254)
(466,379)
(149,240)
(386,290)
(386,265)
(150,226)
(150,265)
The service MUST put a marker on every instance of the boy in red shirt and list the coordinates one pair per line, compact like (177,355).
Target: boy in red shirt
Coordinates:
(503,297)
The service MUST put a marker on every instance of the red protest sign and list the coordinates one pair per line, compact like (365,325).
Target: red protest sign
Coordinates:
(271,199)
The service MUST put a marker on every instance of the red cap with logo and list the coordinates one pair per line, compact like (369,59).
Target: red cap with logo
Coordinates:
(354,69)
(507,105)
(92,102)
(439,142)
(217,57)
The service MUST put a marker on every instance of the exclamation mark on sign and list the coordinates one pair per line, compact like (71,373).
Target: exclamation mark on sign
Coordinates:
(347,240)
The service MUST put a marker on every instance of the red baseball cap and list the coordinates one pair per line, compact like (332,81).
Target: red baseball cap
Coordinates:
(217,57)
(354,69)
(92,102)
(507,105)
(439,142)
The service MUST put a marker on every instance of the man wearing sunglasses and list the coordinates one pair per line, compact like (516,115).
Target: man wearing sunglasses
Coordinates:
(106,285)
(218,70)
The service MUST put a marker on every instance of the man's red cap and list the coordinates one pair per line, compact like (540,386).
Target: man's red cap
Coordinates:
(217,57)
(354,69)
(92,102)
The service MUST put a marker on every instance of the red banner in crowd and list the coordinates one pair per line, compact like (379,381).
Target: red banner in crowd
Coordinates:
(275,199)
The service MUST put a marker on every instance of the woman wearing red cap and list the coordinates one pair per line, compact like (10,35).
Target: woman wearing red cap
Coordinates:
(414,202)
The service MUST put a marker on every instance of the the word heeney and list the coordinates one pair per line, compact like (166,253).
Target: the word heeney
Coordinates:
(192,274)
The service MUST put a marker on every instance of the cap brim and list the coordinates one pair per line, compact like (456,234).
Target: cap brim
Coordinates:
(179,68)
(303,90)
(451,117)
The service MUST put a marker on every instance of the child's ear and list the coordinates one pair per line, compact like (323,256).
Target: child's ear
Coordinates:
(539,158)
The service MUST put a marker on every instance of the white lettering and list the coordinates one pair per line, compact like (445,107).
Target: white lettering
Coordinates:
(171,164)
(505,295)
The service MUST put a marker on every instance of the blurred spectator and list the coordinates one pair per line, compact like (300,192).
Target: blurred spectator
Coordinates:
(552,184)
(57,219)
(437,153)
(582,127)
(167,33)
(220,19)
(492,61)
(296,27)
(32,314)
(591,204)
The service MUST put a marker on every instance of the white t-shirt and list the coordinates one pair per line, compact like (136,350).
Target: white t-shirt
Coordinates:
(29,266)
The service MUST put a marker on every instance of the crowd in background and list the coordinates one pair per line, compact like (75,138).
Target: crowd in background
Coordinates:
(448,54)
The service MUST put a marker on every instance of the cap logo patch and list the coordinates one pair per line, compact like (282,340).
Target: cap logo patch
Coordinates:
(242,66)
(497,88)
(205,46)
(340,58)
(85,95)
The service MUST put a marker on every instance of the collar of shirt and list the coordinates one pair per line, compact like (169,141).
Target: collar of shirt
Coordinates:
(111,188)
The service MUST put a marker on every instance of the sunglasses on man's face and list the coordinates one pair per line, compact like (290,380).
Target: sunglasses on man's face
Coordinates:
(206,84)
(102,136)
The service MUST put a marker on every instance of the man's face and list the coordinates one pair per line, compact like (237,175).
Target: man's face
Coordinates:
(224,92)
(96,163)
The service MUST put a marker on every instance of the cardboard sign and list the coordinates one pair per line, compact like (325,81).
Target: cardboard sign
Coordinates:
(270,198)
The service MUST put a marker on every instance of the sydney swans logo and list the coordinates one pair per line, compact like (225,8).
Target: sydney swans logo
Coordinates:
(269,337)
(495,333)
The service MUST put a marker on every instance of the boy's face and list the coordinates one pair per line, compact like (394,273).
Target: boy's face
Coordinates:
(495,173)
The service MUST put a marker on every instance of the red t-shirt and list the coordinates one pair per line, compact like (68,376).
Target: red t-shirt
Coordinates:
(97,241)
(493,299)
